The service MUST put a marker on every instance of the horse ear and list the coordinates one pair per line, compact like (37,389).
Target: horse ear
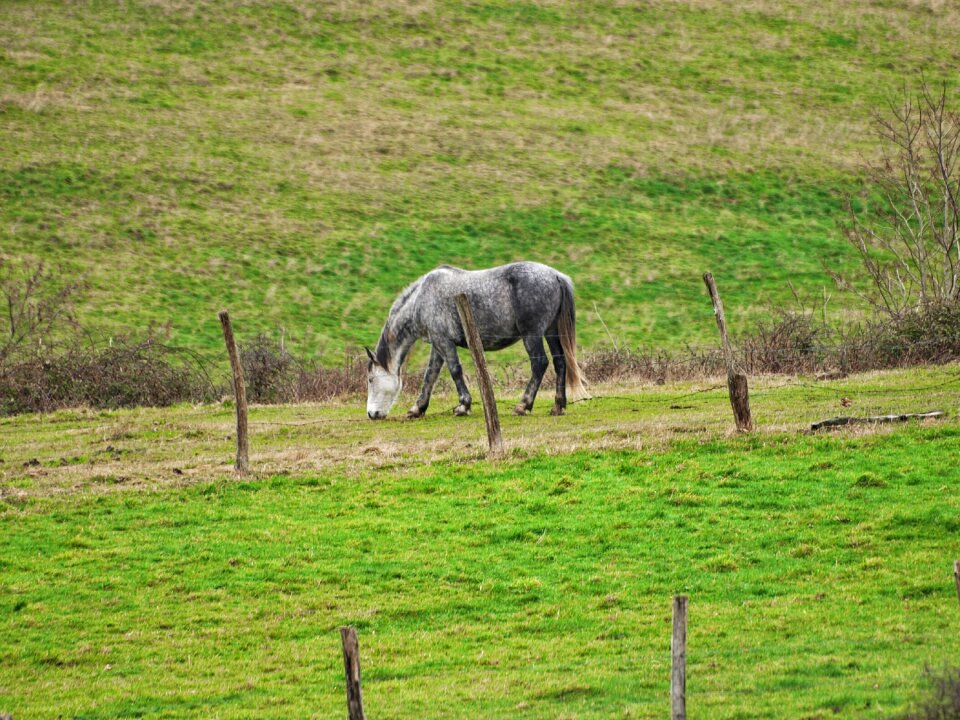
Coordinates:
(370,355)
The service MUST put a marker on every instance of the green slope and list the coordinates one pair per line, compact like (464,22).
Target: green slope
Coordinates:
(301,164)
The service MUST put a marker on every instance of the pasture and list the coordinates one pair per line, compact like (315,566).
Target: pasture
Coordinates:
(141,579)
(300,164)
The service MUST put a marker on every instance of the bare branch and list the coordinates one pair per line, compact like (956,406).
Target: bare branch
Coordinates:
(908,234)
(38,303)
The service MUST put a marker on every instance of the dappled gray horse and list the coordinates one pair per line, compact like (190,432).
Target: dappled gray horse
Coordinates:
(522,301)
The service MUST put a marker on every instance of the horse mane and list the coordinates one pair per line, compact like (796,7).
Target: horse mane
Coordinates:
(393,327)
(382,352)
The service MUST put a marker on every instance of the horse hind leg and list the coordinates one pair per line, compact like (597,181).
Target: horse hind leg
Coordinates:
(560,368)
(538,366)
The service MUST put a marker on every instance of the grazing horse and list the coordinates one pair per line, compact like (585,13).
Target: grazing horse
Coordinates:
(522,301)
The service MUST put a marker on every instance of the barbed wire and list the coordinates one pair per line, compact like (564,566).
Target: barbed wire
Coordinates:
(688,348)
(672,400)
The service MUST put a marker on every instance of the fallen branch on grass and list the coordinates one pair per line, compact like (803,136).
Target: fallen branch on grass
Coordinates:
(838,421)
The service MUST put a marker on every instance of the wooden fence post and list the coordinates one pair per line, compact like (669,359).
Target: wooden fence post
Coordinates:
(351,668)
(736,378)
(494,437)
(678,656)
(240,394)
(956,576)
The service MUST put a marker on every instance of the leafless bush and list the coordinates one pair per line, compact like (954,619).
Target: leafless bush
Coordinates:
(273,375)
(791,342)
(906,227)
(624,363)
(37,302)
(269,371)
(926,335)
(318,383)
(118,375)
(796,341)
(943,701)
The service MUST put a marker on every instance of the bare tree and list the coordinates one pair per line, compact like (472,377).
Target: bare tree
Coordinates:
(906,231)
(36,302)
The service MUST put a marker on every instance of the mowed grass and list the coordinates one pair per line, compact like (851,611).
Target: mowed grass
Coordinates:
(300,164)
(139,579)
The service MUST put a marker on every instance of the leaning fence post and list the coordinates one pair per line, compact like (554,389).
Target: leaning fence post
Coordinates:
(240,394)
(494,437)
(678,657)
(736,378)
(351,667)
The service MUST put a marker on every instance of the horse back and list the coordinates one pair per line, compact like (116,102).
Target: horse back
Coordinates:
(508,302)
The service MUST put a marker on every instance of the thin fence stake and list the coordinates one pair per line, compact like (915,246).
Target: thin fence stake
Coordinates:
(240,395)
(351,668)
(494,438)
(956,576)
(736,378)
(678,656)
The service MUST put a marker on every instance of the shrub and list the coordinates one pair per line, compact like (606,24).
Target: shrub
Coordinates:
(270,373)
(791,342)
(42,378)
(943,700)
(625,363)
(121,374)
(926,334)
(37,303)
(273,375)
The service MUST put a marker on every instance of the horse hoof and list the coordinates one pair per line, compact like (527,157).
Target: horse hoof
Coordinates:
(461,411)
(557,410)
(521,409)
(414,413)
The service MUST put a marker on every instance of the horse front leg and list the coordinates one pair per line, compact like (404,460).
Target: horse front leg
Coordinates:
(456,372)
(538,366)
(430,376)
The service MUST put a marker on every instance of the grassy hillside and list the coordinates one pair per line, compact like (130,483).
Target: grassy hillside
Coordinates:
(300,164)
(137,579)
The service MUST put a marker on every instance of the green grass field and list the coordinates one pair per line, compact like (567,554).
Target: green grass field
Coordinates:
(139,579)
(300,164)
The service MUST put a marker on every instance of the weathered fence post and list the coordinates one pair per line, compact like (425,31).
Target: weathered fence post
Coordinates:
(494,438)
(678,657)
(956,576)
(240,393)
(736,378)
(351,667)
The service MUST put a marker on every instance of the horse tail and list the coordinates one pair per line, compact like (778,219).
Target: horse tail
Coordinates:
(567,327)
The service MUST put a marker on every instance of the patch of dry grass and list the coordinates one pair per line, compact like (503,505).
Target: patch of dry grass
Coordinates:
(85,451)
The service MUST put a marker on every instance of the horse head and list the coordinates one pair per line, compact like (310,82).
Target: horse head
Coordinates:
(383,388)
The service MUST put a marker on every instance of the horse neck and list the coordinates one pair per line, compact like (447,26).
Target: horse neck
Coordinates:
(396,340)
